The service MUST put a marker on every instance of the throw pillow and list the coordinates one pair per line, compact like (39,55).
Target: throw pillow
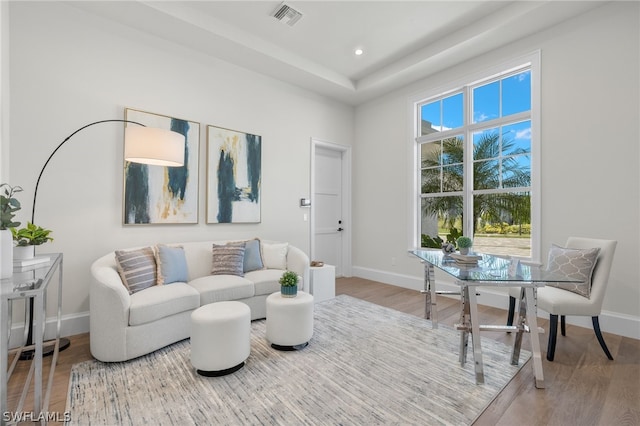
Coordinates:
(576,264)
(274,255)
(228,259)
(172,264)
(137,268)
(252,255)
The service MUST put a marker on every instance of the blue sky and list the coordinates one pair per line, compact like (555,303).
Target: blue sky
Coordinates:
(516,97)
(501,98)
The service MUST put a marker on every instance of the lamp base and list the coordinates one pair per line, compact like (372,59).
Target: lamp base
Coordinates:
(47,349)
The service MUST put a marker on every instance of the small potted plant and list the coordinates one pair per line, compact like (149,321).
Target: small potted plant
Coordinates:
(289,284)
(464,244)
(8,208)
(27,238)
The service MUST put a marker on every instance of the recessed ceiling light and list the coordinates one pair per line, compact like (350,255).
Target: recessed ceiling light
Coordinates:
(358,52)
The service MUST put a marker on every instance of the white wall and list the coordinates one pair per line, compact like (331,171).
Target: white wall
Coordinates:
(69,68)
(590,156)
(4,92)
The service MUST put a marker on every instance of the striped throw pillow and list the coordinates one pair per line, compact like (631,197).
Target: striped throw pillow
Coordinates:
(228,259)
(137,268)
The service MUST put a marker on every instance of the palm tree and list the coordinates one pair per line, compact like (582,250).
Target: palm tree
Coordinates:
(443,172)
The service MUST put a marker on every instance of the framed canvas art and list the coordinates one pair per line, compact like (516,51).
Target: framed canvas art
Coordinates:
(158,194)
(233,176)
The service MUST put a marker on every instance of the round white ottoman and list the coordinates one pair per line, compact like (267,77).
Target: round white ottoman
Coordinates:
(220,338)
(289,321)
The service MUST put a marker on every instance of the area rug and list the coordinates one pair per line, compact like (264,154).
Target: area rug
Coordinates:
(365,364)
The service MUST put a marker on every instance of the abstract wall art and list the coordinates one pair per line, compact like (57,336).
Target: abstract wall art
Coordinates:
(233,176)
(157,194)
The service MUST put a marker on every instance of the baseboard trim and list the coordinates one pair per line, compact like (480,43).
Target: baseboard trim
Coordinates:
(610,322)
(69,325)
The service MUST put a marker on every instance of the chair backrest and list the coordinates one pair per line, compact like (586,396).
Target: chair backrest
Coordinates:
(600,277)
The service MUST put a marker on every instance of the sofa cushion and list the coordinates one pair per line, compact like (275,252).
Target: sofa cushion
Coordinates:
(172,264)
(219,288)
(274,255)
(265,281)
(162,301)
(228,259)
(137,268)
(252,255)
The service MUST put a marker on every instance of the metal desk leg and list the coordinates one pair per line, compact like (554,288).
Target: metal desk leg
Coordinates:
(535,339)
(465,322)
(475,334)
(430,308)
(520,324)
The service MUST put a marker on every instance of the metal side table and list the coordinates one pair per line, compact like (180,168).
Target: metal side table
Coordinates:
(27,283)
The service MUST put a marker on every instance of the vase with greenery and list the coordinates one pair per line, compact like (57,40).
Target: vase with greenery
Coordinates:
(464,244)
(9,205)
(289,284)
(27,238)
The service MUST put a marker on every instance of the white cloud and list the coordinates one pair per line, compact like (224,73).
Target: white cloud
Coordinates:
(524,134)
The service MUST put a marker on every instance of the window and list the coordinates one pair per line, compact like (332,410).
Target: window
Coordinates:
(476,164)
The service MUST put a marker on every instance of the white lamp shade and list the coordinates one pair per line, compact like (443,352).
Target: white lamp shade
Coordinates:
(149,145)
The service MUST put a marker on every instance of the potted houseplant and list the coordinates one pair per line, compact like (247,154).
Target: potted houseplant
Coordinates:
(27,238)
(464,244)
(8,208)
(289,284)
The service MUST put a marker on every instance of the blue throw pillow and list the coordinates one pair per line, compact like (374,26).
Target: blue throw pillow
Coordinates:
(252,256)
(172,264)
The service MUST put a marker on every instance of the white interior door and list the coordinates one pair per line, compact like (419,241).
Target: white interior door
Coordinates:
(327,208)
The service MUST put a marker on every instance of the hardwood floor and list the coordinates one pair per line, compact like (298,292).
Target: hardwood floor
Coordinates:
(582,386)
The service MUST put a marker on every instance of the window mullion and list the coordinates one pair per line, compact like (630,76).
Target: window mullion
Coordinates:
(468,166)
(497,122)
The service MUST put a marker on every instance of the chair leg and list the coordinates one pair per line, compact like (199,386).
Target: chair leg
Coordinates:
(512,309)
(563,327)
(596,328)
(553,334)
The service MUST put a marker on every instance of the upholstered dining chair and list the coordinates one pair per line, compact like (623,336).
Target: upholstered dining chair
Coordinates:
(561,302)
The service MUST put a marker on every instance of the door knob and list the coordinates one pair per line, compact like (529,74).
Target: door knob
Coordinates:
(340,229)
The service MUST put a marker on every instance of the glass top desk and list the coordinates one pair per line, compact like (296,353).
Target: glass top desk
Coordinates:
(26,283)
(490,271)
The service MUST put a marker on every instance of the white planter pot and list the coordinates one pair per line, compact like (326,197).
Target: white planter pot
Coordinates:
(6,253)
(24,252)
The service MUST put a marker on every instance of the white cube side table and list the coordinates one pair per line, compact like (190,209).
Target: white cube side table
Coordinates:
(322,282)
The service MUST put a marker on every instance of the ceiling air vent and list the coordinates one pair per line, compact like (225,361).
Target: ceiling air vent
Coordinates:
(287,14)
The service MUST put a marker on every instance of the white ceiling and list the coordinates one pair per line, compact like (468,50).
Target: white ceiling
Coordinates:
(403,41)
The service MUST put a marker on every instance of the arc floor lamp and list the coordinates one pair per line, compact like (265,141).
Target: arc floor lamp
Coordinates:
(146,145)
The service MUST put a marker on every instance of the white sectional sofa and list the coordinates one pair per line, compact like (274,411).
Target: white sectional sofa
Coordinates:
(126,325)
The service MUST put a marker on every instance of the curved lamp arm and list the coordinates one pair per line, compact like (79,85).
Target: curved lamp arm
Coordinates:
(173,148)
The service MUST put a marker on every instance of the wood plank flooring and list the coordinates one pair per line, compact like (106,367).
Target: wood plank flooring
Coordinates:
(582,386)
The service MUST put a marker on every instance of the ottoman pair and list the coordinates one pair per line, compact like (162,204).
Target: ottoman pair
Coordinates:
(221,332)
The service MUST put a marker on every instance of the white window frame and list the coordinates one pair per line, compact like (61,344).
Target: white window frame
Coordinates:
(531,60)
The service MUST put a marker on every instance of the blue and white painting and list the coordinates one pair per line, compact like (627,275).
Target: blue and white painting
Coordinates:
(233,176)
(158,194)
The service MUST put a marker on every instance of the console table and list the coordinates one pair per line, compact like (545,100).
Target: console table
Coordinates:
(496,272)
(29,283)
